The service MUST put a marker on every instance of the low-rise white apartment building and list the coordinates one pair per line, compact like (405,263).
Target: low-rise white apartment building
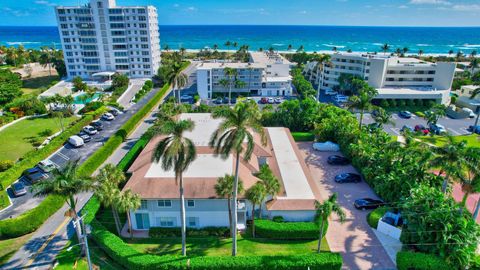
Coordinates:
(266,74)
(101,36)
(393,77)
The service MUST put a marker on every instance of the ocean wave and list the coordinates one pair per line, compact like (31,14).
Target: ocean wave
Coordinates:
(331,46)
(21,42)
(465,48)
(378,44)
(278,44)
(423,45)
(471,45)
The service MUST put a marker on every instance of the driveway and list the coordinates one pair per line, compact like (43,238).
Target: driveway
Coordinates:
(354,239)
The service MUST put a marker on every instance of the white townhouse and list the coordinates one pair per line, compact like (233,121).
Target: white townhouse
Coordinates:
(394,77)
(159,192)
(266,74)
(103,37)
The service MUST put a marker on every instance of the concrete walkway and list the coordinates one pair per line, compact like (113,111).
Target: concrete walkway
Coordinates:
(125,100)
(46,243)
(354,239)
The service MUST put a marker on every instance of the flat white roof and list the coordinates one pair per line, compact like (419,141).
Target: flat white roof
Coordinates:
(230,65)
(278,78)
(294,179)
(204,166)
(205,125)
(268,58)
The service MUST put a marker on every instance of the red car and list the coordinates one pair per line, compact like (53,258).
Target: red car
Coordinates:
(264,100)
(421,129)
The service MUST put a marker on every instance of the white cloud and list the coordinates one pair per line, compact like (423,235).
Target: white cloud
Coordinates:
(403,6)
(191,8)
(15,12)
(45,3)
(176,5)
(430,2)
(473,7)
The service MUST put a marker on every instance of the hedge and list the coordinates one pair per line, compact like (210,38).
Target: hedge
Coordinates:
(31,158)
(99,157)
(374,216)
(132,154)
(287,230)
(191,232)
(408,260)
(130,258)
(303,136)
(32,219)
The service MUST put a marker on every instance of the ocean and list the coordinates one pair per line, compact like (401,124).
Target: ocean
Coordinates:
(432,40)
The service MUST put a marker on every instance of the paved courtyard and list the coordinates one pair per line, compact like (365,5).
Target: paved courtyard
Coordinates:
(355,240)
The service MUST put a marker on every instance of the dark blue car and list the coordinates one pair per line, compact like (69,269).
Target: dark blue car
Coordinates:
(405,114)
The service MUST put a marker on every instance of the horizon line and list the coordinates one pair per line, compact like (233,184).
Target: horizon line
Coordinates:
(283,25)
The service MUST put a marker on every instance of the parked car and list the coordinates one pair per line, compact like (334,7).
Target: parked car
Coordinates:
(264,100)
(278,100)
(341,98)
(421,129)
(85,137)
(330,92)
(348,178)
(114,112)
(368,203)
(108,116)
(218,100)
(76,141)
(19,189)
(437,129)
(405,114)
(338,160)
(46,165)
(326,147)
(271,101)
(90,130)
(234,100)
(35,175)
(225,100)
(407,128)
(474,129)
(470,112)
(97,125)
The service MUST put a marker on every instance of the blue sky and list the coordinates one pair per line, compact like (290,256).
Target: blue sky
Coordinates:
(273,12)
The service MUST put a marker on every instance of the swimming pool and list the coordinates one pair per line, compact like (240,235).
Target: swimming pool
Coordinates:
(79,99)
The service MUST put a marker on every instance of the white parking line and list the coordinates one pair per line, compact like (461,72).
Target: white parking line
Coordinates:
(63,156)
(454,131)
(396,130)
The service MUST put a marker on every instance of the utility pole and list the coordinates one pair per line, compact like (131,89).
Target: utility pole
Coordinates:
(81,225)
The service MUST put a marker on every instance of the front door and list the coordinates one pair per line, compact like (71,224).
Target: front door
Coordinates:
(143,221)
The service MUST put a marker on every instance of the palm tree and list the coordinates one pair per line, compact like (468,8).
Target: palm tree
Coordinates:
(290,47)
(66,183)
(128,201)
(301,48)
(324,211)
(383,117)
(176,78)
(420,53)
(362,101)
(228,44)
(269,181)
(473,54)
(231,75)
(476,93)
(334,49)
(469,177)
(398,51)
(405,50)
(215,47)
(256,195)
(107,190)
(234,135)
(450,52)
(473,65)
(271,49)
(46,58)
(385,47)
(235,44)
(176,152)
(448,157)
(182,51)
(224,189)
(260,49)
(459,56)
(166,48)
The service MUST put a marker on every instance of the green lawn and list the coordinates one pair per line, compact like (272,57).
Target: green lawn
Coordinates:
(38,85)
(19,138)
(212,246)
(10,246)
(68,260)
(472,140)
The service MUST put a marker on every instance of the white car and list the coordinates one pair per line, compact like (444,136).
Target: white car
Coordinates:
(76,141)
(89,130)
(46,165)
(341,98)
(330,92)
(326,147)
(271,101)
(108,116)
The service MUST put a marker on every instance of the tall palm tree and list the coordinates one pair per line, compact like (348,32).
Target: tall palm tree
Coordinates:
(398,51)
(405,50)
(46,58)
(228,44)
(459,56)
(260,49)
(362,101)
(334,49)
(450,52)
(473,65)
(235,44)
(215,47)
(269,181)
(176,152)
(224,189)
(128,201)
(66,183)
(420,53)
(476,93)
(469,177)
(385,47)
(256,195)
(449,157)
(290,47)
(301,48)
(108,179)
(182,51)
(176,78)
(231,76)
(383,117)
(473,54)
(324,211)
(166,48)
(234,135)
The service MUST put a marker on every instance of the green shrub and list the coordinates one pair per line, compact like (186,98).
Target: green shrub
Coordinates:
(30,220)
(4,200)
(92,106)
(410,102)
(374,216)
(278,219)
(384,103)
(303,136)
(287,230)
(418,102)
(130,258)
(156,232)
(392,102)
(132,154)
(5,165)
(407,260)
(402,103)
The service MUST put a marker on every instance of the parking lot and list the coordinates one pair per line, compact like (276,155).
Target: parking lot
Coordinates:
(355,240)
(454,126)
(68,153)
